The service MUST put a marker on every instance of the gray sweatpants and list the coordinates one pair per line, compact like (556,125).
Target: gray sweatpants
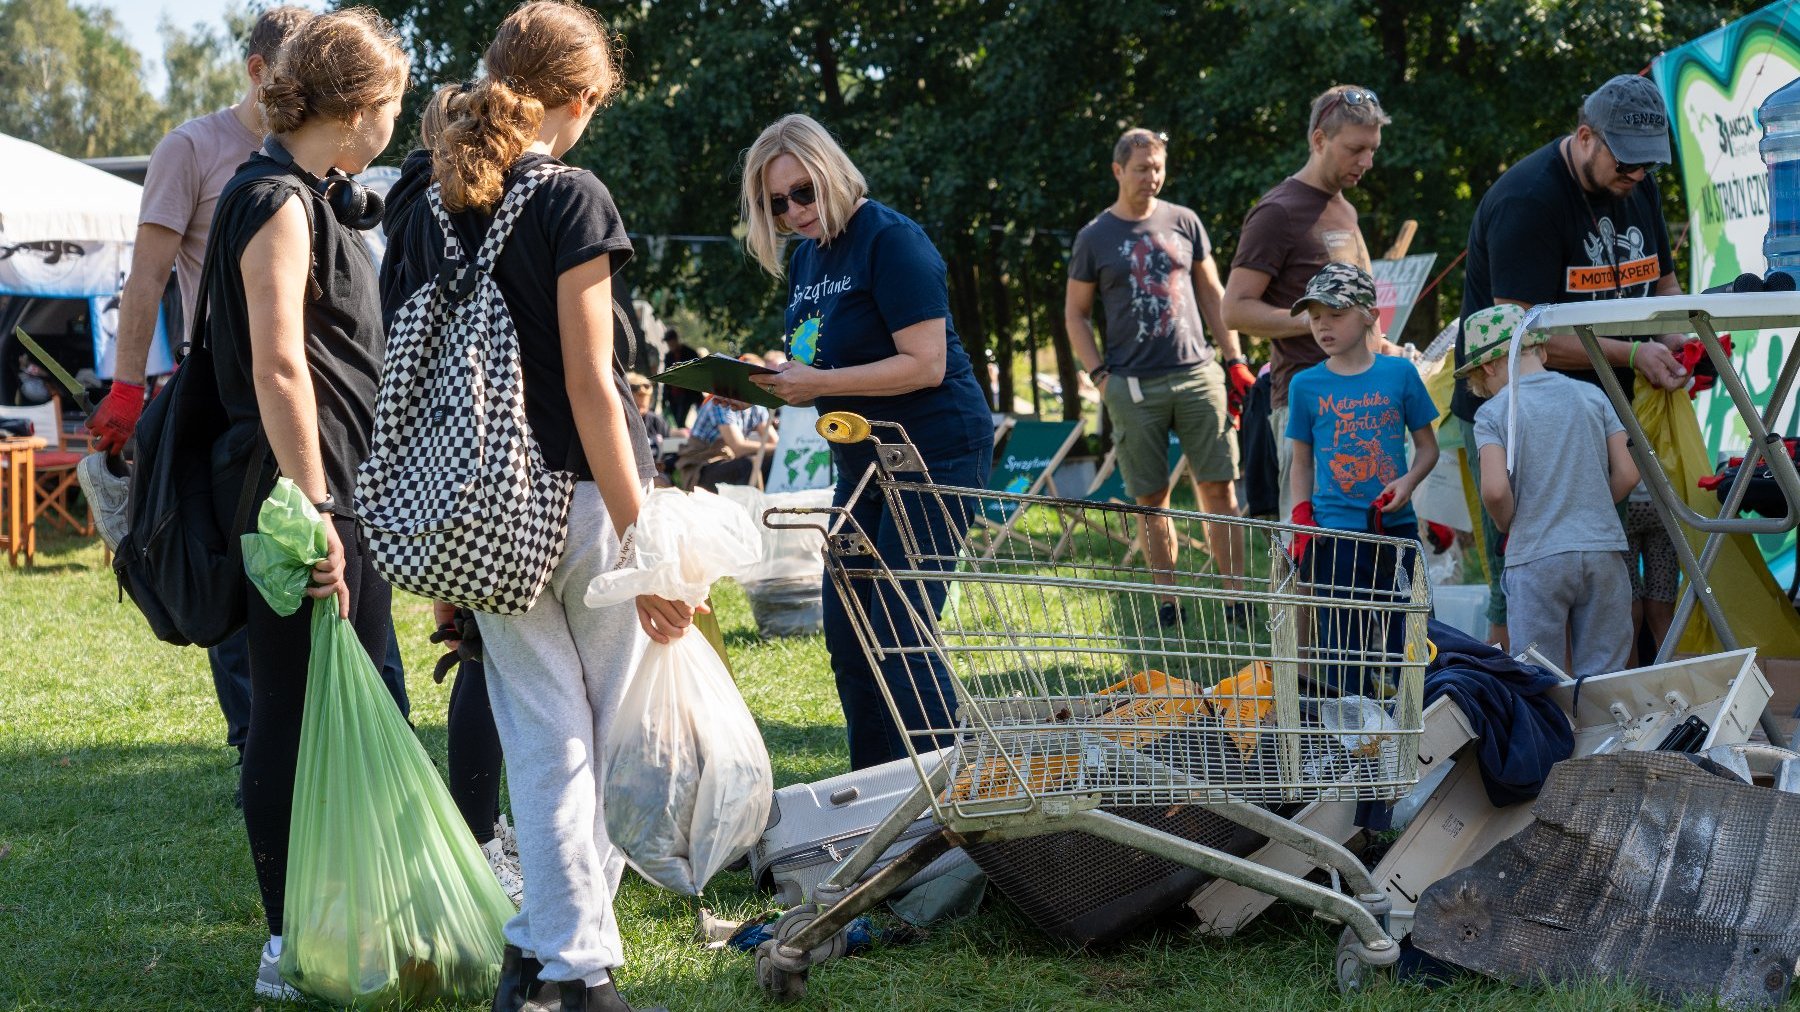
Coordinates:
(1584,596)
(555,675)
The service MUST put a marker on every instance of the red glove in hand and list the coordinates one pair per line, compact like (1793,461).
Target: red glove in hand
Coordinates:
(1440,536)
(1302,517)
(117,416)
(1238,381)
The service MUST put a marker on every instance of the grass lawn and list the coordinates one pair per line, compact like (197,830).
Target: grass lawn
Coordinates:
(125,878)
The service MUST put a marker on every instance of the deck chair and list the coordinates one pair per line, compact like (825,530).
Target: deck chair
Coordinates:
(1025,465)
(55,467)
(1109,487)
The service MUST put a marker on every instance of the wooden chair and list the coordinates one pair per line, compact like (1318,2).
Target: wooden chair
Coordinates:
(55,467)
(1109,487)
(1025,465)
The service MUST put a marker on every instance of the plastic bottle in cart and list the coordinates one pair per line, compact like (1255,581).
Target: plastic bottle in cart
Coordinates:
(1780,118)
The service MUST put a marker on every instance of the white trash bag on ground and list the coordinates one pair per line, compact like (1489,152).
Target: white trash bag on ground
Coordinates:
(687,774)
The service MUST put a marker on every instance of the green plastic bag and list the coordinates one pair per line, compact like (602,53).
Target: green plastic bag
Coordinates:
(389,900)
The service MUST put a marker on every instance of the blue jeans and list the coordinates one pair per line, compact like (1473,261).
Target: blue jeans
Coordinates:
(1358,571)
(920,683)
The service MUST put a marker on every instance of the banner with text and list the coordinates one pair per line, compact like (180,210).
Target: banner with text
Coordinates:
(1713,87)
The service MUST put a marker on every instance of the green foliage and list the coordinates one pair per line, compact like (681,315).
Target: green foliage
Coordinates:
(992,124)
(70,81)
(205,66)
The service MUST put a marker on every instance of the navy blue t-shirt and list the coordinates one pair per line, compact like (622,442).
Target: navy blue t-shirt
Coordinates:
(845,301)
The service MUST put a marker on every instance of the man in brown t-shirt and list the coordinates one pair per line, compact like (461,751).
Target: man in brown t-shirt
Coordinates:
(1295,229)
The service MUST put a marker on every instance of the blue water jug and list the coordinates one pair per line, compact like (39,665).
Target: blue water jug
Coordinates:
(1780,118)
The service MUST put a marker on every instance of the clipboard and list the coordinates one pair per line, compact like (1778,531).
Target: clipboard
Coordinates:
(724,376)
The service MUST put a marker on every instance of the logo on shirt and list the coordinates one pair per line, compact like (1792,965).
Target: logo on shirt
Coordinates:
(819,289)
(1158,299)
(1357,427)
(1607,248)
(803,343)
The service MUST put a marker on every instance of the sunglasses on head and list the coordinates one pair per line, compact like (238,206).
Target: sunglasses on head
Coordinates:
(1349,96)
(1145,140)
(803,195)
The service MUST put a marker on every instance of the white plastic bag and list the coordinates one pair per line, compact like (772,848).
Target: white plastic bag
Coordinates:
(688,781)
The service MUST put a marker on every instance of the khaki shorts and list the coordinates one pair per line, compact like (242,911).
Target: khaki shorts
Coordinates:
(1189,402)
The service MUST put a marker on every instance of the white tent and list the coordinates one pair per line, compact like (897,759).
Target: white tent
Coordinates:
(66,232)
(46,197)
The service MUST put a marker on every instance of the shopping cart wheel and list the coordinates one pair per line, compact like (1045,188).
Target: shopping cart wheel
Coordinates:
(779,984)
(783,977)
(1356,964)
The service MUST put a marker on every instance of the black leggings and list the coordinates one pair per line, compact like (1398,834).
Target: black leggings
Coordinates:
(279,650)
(474,752)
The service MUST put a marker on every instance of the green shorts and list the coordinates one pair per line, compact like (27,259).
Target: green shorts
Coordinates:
(1189,402)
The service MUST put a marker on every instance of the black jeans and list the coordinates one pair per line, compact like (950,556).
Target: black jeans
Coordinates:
(279,651)
(475,756)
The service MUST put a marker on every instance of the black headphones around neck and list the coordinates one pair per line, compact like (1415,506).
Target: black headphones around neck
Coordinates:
(352,204)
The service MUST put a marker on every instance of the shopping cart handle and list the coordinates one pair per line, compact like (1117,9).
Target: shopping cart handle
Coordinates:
(843,427)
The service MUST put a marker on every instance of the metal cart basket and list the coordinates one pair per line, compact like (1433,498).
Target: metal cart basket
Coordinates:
(1068,682)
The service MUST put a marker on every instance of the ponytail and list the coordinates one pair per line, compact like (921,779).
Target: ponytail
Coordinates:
(546,54)
(488,128)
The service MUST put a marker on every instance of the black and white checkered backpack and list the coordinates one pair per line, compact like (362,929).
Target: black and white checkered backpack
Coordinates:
(456,500)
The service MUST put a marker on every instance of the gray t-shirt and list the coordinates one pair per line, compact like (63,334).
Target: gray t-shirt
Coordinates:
(1561,484)
(1144,271)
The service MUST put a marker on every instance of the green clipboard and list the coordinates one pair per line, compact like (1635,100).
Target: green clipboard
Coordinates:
(724,376)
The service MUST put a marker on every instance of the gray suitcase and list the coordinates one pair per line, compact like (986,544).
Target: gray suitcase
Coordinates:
(812,827)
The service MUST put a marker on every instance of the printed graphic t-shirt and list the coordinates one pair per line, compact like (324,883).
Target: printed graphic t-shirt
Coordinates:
(1359,427)
(845,301)
(1539,237)
(1144,271)
(1293,231)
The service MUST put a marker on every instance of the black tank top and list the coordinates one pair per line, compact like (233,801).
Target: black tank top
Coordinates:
(345,340)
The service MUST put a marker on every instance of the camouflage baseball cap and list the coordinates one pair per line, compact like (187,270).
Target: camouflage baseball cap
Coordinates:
(1340,286)
(1487,334)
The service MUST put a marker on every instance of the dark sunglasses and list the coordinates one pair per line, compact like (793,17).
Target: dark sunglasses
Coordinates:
(1349,96)
(1632,168)
(802,195)
(642,386)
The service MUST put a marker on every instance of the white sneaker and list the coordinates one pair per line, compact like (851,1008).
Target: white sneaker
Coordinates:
(506,870)
(269,983)
(509,840)
(108,494)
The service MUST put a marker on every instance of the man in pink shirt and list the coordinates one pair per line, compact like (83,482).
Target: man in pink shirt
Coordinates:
(187,171)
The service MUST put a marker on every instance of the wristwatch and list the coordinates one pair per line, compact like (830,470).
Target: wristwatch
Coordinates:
(1097,372)
(1235,361)
(325,505)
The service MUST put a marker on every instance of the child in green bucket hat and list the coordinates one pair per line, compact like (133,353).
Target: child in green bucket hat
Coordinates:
(1553,466)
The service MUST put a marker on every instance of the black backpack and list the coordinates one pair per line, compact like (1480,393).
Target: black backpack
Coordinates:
(193,471)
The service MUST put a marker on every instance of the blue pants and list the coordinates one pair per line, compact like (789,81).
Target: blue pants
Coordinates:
(920,683)
(1358,571)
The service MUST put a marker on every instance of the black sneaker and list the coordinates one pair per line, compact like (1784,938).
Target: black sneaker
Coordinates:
(1168,614)
(576,997)
(519,986)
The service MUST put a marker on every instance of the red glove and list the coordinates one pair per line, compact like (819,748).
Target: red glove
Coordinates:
(1302,517)
(1440,536)
(1238,381)
(117,416)
(1711,482)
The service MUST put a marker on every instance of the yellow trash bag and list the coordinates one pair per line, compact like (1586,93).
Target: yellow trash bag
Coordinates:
(1748,595)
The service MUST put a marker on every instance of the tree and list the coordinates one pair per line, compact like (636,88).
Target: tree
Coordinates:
(71,82)
(992,124)
(205,65)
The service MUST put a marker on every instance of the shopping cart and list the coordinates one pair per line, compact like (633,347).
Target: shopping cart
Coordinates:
(1067,686)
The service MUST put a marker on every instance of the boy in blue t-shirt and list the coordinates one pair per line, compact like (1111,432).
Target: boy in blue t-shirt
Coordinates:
(1349,417)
